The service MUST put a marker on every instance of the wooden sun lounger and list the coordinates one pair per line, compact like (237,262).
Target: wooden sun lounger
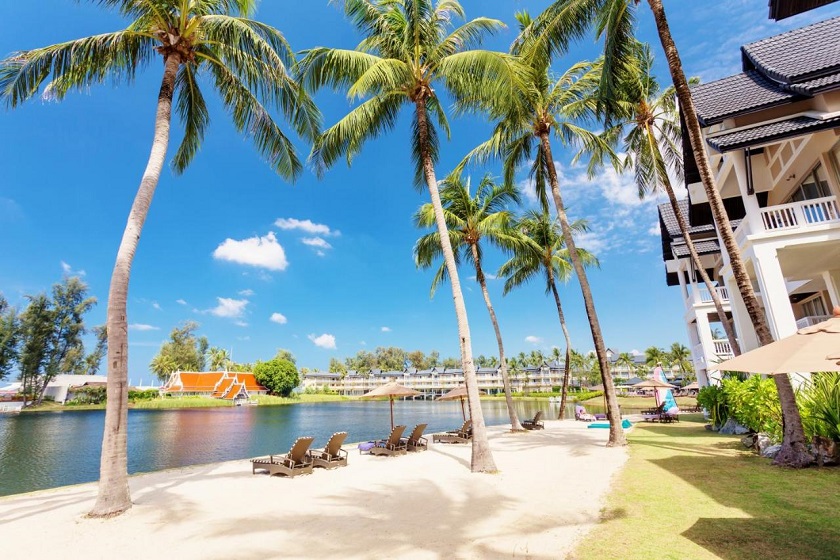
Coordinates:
(332,456)
(462,435)
(536,423)
(392,446)
(416,441)
(296,461)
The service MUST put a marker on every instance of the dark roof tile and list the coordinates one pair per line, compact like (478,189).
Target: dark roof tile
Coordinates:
(736,95)
(764,133)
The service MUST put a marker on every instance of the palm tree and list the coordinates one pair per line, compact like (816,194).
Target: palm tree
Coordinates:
(544,106)
(246,61)
(219,358)
(409,51)
(654,355)
(680,356)
(543,252)
(470,219)
(653,144)
(614,20)
(626,359)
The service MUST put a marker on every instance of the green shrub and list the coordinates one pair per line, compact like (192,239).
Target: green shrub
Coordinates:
(819,403)
(754,403)
(277,375)
(144,395)
(88,395)
(713,399)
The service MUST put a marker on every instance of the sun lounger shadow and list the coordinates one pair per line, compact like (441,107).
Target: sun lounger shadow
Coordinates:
(296,461)
(332,455)
(461,435)
(392,446)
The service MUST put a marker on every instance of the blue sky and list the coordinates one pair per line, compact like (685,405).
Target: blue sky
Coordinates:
(331,269)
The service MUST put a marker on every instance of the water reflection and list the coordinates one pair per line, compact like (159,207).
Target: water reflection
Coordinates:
(44,450)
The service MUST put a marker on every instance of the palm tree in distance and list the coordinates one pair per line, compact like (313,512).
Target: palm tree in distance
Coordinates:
(245,60)
(680,356)
(655,355)
(409,52)
(543,253)
(528,119)
(626,359)
(614,20)
(652,139)
(469,219)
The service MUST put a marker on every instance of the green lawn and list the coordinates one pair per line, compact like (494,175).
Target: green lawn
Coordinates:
(690,493)
(641,402)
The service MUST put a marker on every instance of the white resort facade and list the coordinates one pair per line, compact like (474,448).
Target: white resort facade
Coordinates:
(772,134)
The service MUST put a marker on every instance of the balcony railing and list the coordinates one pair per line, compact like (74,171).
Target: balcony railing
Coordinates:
(801,214)
(722,348)
(706,297)
(811,321)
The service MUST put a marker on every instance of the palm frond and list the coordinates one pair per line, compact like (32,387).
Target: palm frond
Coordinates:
(193,113)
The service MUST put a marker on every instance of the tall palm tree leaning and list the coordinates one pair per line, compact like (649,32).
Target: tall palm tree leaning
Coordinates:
(544,106)
(469,219)
(543,252)
(653,144)
(409,49)
(246,61)
(567,20)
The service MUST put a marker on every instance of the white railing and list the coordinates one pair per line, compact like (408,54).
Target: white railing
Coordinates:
(811,321)
(801,214)
(722,348)
(706,296)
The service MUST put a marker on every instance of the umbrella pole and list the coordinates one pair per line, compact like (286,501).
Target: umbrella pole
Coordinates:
(392,413)
(463,412)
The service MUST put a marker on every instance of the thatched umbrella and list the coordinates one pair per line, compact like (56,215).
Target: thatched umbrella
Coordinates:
(459,393)
(391,390)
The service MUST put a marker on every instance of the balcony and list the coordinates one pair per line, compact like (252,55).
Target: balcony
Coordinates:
(702,295)
(723,349)
(804,214)
(811,321)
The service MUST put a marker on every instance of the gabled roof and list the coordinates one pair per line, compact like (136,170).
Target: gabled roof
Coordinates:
(736,95)
(779,130)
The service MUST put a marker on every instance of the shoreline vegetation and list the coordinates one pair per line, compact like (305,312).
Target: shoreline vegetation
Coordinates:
(590,399)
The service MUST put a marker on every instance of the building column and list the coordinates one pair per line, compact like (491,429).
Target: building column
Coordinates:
(753,217)
(704,333)
(832,281)
(774,290)
(743,325)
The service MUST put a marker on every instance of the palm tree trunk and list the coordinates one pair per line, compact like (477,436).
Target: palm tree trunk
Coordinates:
(617,437)
(695,258)
(114,496)
(482,457)
(794,453)
(515,426)
(564,391)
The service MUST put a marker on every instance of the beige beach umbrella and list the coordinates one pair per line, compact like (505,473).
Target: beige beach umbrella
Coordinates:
(815,348)
(391,390)
(693,385)
(654,384)
(459,393)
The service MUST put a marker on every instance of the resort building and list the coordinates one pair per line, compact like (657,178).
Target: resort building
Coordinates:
(225,385)
(772,133)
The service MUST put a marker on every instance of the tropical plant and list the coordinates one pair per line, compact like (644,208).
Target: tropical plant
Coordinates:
(754,403)
(246,62)
(278,375)
(713,399)
(184,351)
(542,107)
(409,52)
(9,336)
(614,21)
(543,253)
(218,359)
(649,124)
(820,401)
(469,220)
(627,360)
(655,356)
(680,356)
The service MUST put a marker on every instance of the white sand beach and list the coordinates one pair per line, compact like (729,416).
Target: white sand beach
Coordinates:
(426,505)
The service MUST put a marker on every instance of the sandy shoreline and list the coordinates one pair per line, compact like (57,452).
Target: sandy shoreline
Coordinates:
(424,505)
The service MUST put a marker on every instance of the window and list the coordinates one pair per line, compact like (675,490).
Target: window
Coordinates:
(814,307)
(815,185)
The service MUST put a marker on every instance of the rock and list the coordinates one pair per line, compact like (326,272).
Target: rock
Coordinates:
(749,440)
(825,451)
(733,428)
(771,451)
(762,442)
(709,427)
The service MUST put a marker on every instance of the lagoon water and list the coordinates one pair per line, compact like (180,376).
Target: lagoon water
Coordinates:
(50,449)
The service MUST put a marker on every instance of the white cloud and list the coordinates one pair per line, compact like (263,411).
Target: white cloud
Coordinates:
(386,329)
(156,305)
(246,293)
(307,226)
(655,229)
(278,318)
(68,270)
(240,323)
(181,301)
(531,339)
(319,242)
(326,341)
(263,252)
(229,308)
(142,327)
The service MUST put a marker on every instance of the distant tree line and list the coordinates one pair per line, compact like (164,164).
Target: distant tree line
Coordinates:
(44,340)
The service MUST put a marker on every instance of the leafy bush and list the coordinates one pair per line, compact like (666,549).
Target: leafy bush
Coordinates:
(713,399)
(88,395)
(277,375)
(754,403)
(145,395)
(819,402)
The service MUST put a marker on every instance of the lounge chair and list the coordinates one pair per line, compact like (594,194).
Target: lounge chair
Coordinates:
(296,461)
(536,423)
(582,415)
(653,414)
(394,445)
(416,441)
(332,456)
(461,435)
